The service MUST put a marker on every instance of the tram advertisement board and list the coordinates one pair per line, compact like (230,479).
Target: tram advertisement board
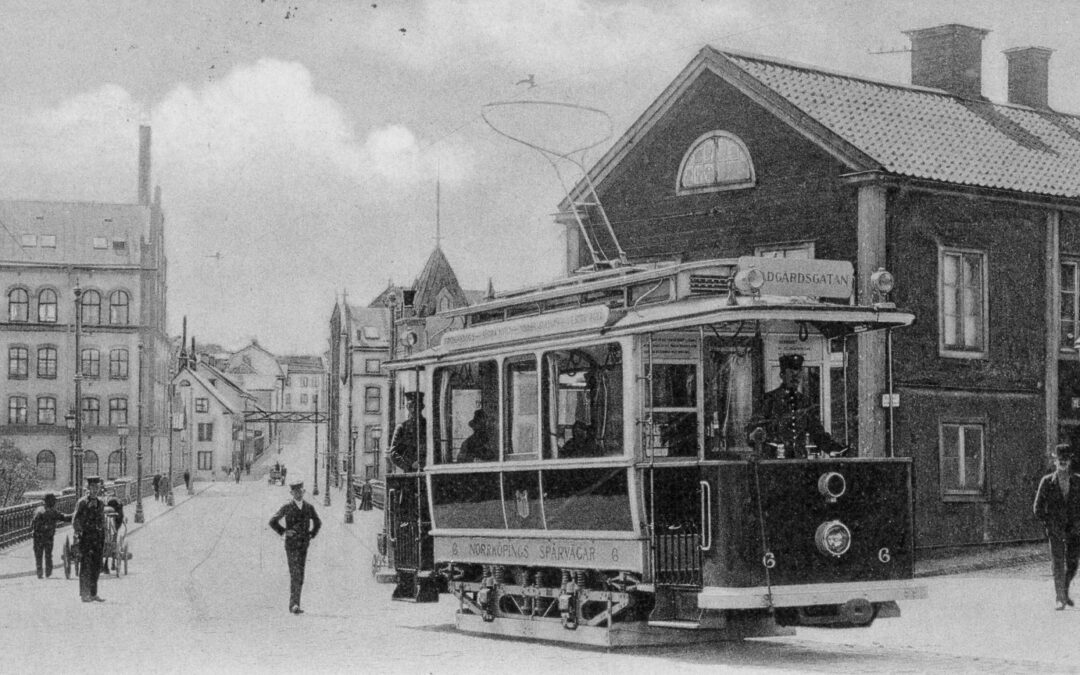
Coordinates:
(553,552)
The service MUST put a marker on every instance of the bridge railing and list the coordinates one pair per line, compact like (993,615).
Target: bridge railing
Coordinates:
(15,520)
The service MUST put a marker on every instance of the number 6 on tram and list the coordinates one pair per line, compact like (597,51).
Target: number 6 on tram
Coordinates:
(619,458)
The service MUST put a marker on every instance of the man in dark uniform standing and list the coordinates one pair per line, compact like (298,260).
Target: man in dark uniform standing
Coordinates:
(43,526)
(408,447)
(301,526)
(89,525)
(1057,506)
(788,417)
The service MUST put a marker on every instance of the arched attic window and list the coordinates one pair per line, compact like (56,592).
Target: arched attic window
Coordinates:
(716,161)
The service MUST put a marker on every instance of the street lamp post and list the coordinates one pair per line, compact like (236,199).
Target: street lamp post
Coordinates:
(122,433)
(70,420)
(77,450)
(168,485)
(139,516)
(350,504)
(376,436)
(315,490)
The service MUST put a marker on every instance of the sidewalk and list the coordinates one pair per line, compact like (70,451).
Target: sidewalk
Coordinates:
(18,560)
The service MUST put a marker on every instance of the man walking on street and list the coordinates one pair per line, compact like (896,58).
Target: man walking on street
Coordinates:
(301,526)
(89,525)
(43,526)
(1057,506)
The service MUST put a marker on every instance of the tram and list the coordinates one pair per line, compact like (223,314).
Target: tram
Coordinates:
(596,468)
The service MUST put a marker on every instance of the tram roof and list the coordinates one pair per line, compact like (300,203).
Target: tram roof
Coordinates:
(601,320)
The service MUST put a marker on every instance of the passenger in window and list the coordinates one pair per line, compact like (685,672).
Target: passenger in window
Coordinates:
(582,442)
(477,447)
(788,419)
(407,447)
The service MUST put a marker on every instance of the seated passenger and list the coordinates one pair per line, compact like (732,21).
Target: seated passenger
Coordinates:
(477,447)
(582,443)
(788,418)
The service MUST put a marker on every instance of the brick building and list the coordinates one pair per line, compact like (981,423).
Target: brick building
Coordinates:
(973,205)
(115,255)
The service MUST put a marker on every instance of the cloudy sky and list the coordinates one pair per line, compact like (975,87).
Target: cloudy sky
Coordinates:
(301,140)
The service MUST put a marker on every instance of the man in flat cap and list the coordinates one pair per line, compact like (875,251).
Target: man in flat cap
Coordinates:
(89,525)
(788,418)
(408,445)
(1057,506)
(301,526)
(43,526)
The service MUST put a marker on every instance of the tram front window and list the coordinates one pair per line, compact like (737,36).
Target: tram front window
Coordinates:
(583,400)
(674,410)
(466,408)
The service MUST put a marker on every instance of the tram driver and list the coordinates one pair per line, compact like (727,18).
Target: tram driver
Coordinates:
(788,418)
(407,447)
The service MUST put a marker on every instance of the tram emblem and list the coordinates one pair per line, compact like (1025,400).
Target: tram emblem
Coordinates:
(521,497)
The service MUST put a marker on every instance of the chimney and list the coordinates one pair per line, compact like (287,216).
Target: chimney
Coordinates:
(1029,76)
(144,165)
(948,57)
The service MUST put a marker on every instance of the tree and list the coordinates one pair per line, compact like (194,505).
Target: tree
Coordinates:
(17,474)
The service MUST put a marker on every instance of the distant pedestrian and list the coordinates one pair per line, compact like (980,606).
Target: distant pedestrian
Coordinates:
(365,496)
(1057,505)
(187,480)
(237,472)
(43,526)
(302,524)
(157,486)
(89,524)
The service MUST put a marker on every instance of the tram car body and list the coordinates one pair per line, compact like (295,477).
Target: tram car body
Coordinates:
(596,470)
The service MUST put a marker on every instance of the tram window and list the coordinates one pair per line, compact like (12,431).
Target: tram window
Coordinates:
(674,410)
(522,408)
(467,500)
(583,401)
(729,398)
(587,499)
(466,407)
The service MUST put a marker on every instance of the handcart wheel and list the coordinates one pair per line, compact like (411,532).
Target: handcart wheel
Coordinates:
(66,557)
(126,556)
(116,561)
(376,563)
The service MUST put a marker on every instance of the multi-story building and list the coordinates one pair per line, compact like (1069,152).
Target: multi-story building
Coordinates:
(258,372)
(401,319)
(112,257)
(213,435)
(974,206)
(305,383)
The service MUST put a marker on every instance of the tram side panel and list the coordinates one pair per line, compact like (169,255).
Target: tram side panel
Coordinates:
(815,522)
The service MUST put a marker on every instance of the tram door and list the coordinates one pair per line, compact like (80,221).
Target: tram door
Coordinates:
(409,525)
(672,395)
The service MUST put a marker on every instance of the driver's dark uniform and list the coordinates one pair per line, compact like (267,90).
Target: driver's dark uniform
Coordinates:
(789,418)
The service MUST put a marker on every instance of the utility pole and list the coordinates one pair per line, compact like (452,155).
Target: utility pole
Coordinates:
(139,516)
(315,490)
(77,449)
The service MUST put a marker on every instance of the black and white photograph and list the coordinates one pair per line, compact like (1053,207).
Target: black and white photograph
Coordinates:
(551,336)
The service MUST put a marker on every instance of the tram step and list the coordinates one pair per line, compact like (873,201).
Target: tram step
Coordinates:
(685,625)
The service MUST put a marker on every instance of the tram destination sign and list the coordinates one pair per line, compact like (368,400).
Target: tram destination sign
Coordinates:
(800,277)
(527,327)
(581,553)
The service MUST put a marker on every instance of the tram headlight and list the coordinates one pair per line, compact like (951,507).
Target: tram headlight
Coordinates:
(832,485)
(749,280)
(833,538)
(881,283)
